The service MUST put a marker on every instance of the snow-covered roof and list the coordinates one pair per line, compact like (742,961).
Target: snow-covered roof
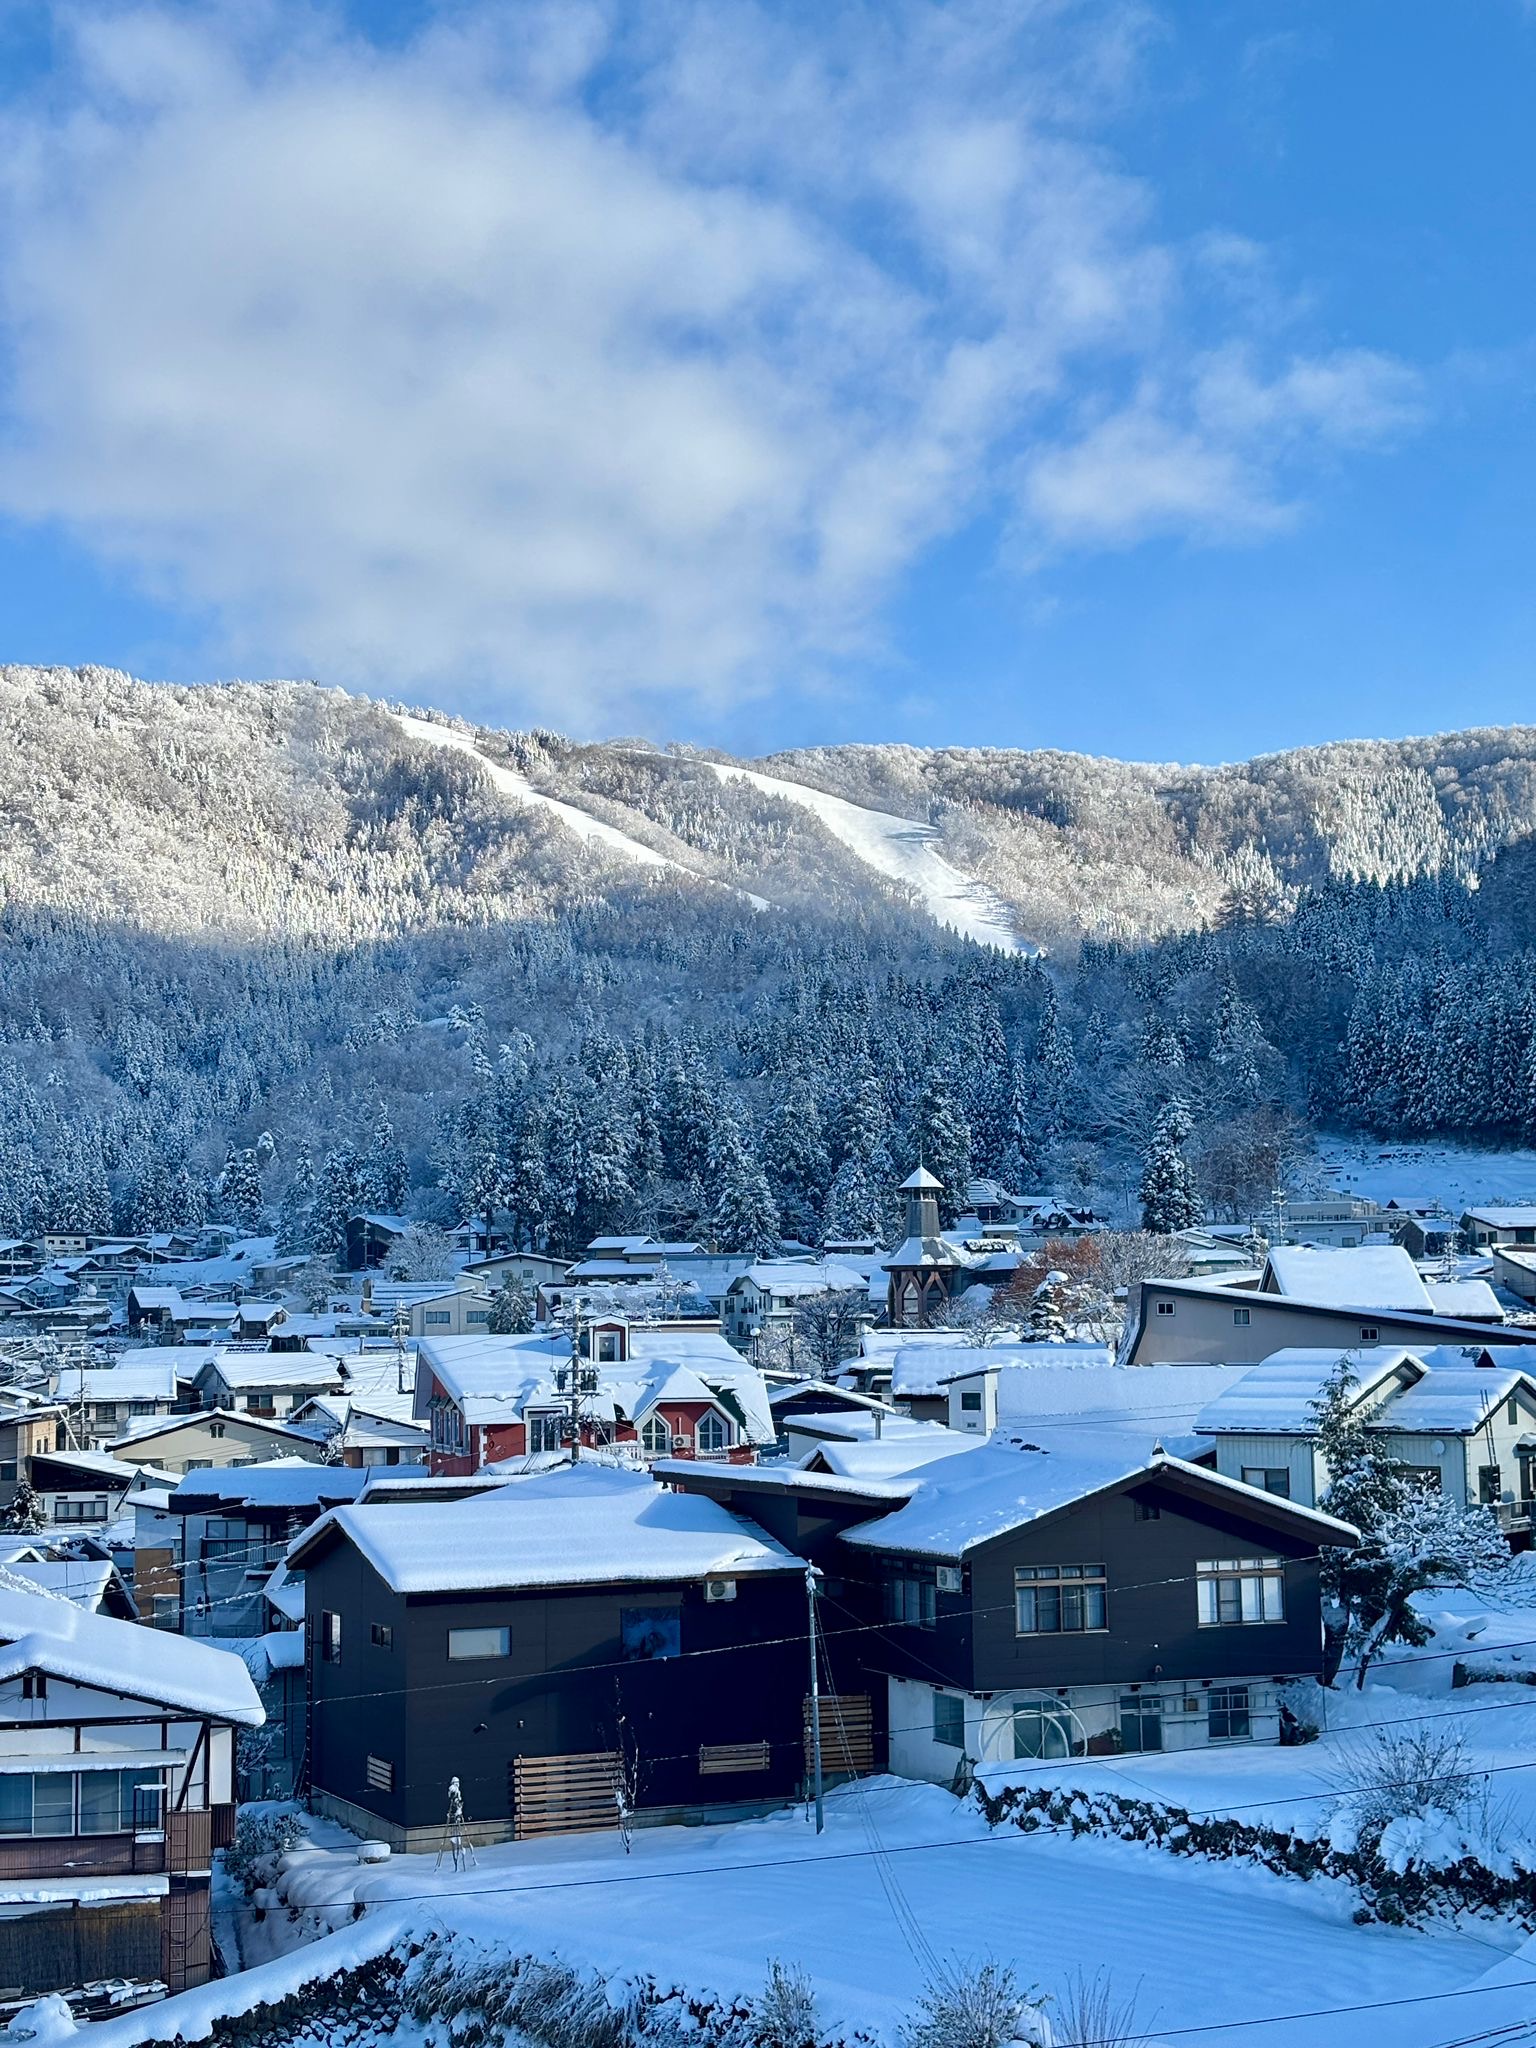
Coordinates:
(801,1276)
(1275,1398)
(280,1483)
(965,1501)
(580,1525)
(927,1365)
(150,1377)
(1473,1300)
(1518,1216)
(41,1633)
(144,1427)
(284,1593)
(494,1379)
(892,1454)
(1456,1399)
(101,1466)
(1362,1276)
(1137,1405)
(283,1649)
(240,1369)
(83,1580)
(157,1297)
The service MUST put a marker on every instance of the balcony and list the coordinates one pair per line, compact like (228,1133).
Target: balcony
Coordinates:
(187,1842)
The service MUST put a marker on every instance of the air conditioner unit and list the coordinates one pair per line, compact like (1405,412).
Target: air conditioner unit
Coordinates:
(719,1589)
(948,1576)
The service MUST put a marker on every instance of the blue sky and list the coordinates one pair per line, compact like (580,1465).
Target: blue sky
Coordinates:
(1150,381)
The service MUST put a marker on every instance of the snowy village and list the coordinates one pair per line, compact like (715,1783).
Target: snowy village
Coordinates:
(767,1024)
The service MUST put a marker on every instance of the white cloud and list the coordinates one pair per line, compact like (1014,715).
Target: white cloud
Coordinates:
(566,357)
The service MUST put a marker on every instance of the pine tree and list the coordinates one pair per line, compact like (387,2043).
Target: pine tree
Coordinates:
(1047,1313)
(941,1138)
(335,1198)
(384,1178)
(796,1162)
(296,1211)
(511,1312)
(1168,1199)
(240,1191)
(25,1516)
(746,1220)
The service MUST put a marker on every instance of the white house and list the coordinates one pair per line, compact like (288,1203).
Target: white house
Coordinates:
(1461,1417)
(117,1783)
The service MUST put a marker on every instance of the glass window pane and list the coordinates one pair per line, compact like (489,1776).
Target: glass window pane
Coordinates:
(1207,1598)
(1027,1623)
(100,1803)
(15,1803)
(479,1642)
(1250,1596)
(1095,1608)
(1274,1597)
(53,1804)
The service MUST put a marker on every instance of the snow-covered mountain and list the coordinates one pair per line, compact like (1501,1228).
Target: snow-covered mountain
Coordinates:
(282,805)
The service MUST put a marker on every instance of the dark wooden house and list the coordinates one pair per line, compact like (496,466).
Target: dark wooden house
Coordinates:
(566,1647)
(1014,1602)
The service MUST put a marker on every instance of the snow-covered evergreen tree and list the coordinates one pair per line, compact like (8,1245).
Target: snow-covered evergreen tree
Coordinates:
(746,1219)
(1168,1199)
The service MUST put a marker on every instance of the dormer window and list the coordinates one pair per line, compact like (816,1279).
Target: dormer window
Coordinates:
(713,1434)
(656,1436)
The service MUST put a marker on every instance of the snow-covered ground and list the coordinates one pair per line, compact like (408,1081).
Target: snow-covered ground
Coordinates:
(903,851)
(595,831)
(1459,1176)
(906,1875)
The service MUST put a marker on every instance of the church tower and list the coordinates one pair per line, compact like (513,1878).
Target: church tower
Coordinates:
(921,1192)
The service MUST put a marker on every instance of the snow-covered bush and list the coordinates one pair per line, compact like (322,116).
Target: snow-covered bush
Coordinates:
(976,2005)
(260,1839)
(1090,2014)
(784,2013)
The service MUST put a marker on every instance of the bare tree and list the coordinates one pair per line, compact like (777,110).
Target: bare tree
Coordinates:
(828,1326)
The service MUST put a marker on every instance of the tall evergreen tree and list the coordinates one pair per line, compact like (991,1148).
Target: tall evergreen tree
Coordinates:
(1169,1202)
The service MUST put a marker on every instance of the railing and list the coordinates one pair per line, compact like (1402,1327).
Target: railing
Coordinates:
(82,1856)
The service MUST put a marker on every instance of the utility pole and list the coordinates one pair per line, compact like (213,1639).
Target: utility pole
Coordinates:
(579,1379)
(810,1609)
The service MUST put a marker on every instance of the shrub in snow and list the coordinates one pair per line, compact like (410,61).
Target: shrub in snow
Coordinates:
(1405,1876)
(260,1839)
(1089,2015)
(970,2005)
(784,2015)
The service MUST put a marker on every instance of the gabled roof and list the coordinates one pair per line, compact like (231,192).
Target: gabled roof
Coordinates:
(578,1526)
(149,1426)
(150,1376)
(280,1483)
(998,1487)
(1276,1396)
(41,1633)
(1363,1277)
(241,1369)
(1517,1216)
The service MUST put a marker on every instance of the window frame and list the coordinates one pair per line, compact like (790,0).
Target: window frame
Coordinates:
(1222,1585)
(949,1719)
(1269,1472)
(1229,1712)
(1057,1582)
(465,1655)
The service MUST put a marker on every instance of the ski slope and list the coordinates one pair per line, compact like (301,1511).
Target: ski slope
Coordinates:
(521,791)
(901,850)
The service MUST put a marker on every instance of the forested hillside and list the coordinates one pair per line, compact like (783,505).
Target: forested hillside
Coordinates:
(268,917)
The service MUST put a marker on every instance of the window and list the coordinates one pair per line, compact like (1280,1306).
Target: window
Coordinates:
(912,1600)
(1042,1728)
(1230,1720)
(80,1510)
(80,1802)
(465,1644)
(1141,1723)
(1060,1599)
(438,1318)
(712,1434)
(1489,1481)
(971,1403)
(1146,1510)
(1511,1411)
(1426,1476)
(648,1634)
(949,1719)
(1369,1333)
(380,1774)
(1234,1590)
(1165,1308)
(610,1347)
(477,1315)
(8,1469)
(381,1635)
(546,1430)
(216,1429)
(656,1436)
(330,1637)
(1269,1479)
(1242,1317)
(34,1685)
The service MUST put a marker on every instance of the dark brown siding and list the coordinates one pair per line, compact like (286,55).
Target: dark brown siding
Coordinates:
(1153,1626)
(563,1690)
